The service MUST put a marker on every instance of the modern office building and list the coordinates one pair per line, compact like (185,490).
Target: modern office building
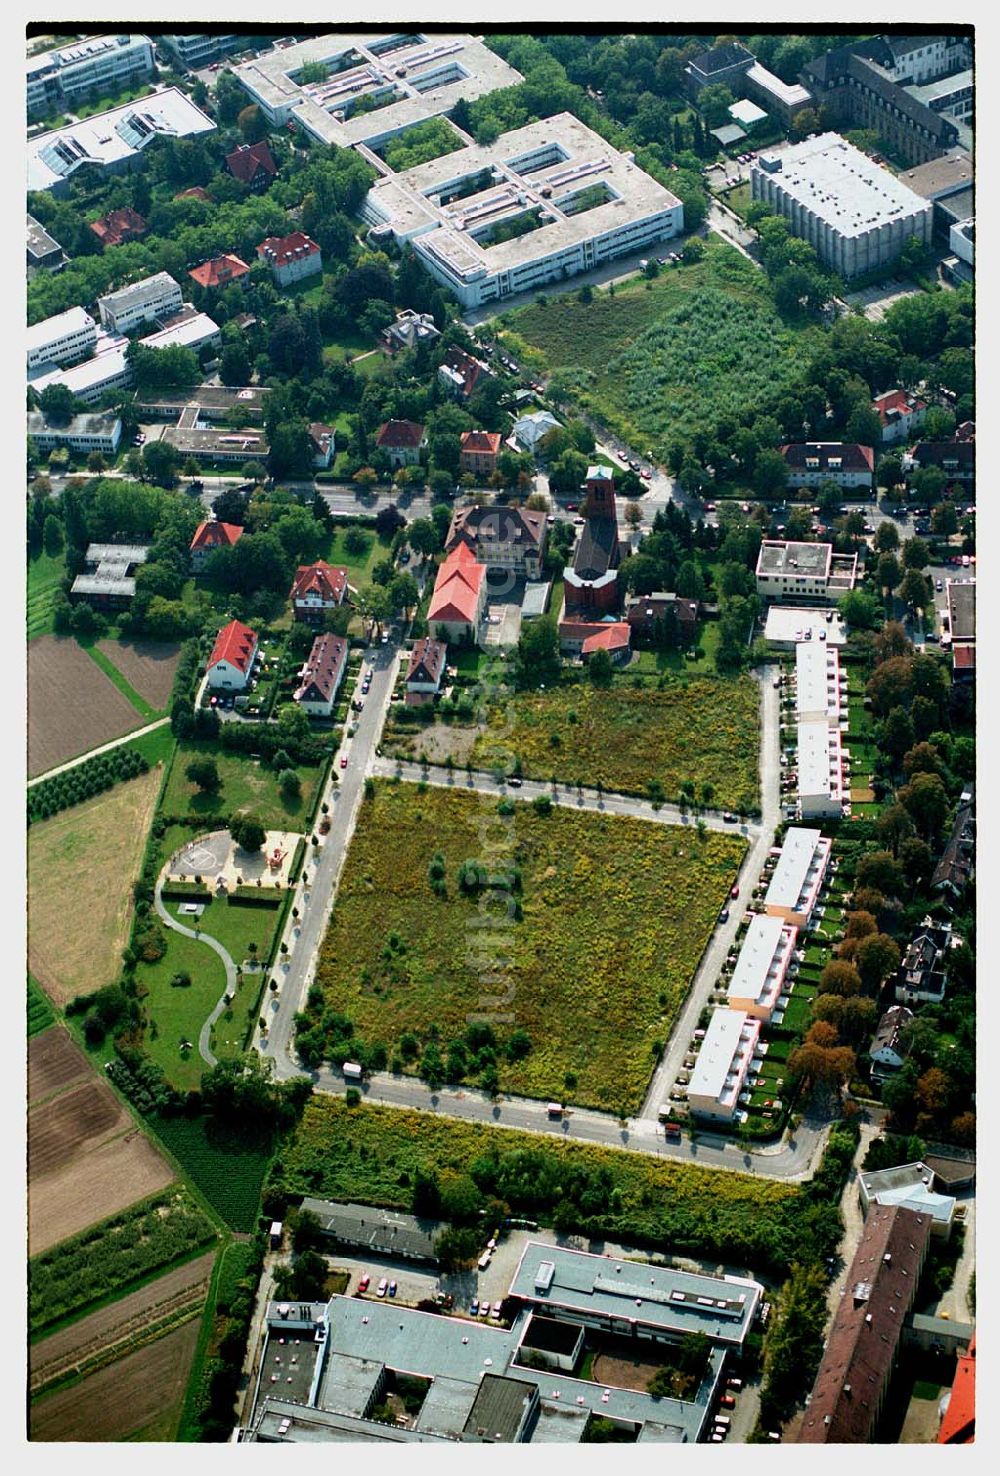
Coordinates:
(376,84)
(821,788)
(82,433)
(803,573)
(216,443)
(797,878)
(197,49)
(62,339)
(189,330)
(43,251)
(820,686)
(108,369)
(723,1064)
(540,204)
(856,214)
(154,297)
(102,64)
(112,142)
(762,967)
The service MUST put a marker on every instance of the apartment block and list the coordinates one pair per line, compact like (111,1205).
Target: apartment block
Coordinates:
(154,297)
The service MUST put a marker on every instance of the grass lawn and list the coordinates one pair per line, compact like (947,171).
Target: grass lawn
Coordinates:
(177,1013)
(44,574)
(358,565)
(701,728)
(81,866)
(592,990)
(155,747)
(40,1014)
(246,785)
(659,360)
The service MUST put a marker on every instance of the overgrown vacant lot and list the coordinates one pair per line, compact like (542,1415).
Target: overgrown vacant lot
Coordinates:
(615,915)
(81,866)
(72,705)
(374,1154)
(662,360)
(246,785)
(148,666)
(699,728)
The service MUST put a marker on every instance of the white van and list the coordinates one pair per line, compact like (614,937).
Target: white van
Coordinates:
(351,1070)
(484,1259)
(555,1109)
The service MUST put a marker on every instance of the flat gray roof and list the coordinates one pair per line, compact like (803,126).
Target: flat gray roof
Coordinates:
(361,1224)
(815,670)
(500,1406)
(761,946)
(842,187)
(940,177)
(799,855)
(542,166)
(212,440)
(658,1296)
(962,609)
(108,138)
(930,92)
(727,1038)
(788,624)
(51,330)
(778,557)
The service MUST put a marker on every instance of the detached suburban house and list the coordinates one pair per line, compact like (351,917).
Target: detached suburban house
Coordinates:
(458,603)
(583,637)
(901,414)
(479,452)
(459,372)
(921,977)
(253,165)
(324,444)
(231,662)
(427,666)
(317,588)
(291,257)
(220,271)
(119,226)
(321,675)
(646,614)
(402,441)
(211,535)
(502,538)
(408,330)
(810,463)
(888,1049)
(957,459)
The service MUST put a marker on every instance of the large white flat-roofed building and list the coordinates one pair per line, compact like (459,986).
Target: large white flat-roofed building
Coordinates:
(820,689)
(856,215)
(108,369)
(796,573)
(61,339)
(541,203)
(912,1186)
(798,876)
(723,1064)
(821,771)
(376,84)
(56,79)
(112,141)
(762,967)
(195,49)
(787,625)
(634,1298)
(153,297)
(81,433)
(192,330)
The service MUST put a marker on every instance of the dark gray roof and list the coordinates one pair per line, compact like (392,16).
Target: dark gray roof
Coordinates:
(598,549)
(382,1230)
(835,67)
(721,58)
(499,1408)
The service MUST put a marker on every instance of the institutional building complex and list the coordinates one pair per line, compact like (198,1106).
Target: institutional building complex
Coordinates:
(542,203)
(857,215)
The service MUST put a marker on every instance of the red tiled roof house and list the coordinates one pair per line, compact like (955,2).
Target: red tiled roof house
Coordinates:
(253,165)
(211,535)
(220,271)
(119,226)
(900,413)
(402,441)
(584,637)
(231,662)
(317,588)
(322,674)
(459,599)
(459,372)
(423,677)
(291,257)
(479,452)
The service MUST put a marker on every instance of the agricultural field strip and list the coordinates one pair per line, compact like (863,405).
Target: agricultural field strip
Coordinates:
(73,706)
(605,802)
(94,752)
(99,1338)
(110,670)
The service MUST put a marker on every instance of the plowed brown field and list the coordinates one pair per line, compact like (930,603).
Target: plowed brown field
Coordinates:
(55,1062)
(72,705)
(147,666)
(103,1176)
(72,1347)
(123,1398)
(78,1119)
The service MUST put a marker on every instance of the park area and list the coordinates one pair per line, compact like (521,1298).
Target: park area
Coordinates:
(658,360)
(703,729)
(73,706)
(81,867)
(246,784)
(609,920)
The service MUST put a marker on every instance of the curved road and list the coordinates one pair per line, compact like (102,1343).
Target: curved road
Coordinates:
(205,1035)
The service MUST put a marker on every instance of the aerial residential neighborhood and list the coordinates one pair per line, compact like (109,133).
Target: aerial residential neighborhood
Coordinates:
(501,734)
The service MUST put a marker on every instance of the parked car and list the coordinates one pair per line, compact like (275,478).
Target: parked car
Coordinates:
(734,1383)
(474,1307)
(729,817)
(672,1131)
(364,1283)
(343,760)
(484,1309)
(646,474)
(734,891)
(392,1288)
(727,1402)
(383,1287)
(724,915)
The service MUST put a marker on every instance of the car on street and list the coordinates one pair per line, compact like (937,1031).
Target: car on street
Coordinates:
(724,915)
(571,507)
(343,760)
(939,584)
(364,1283)
(729,817)
(514,782)
(385,639)
(710,507)
(646,474)
(734,1383)
(392,1288)
(383,1287)
(672,1130)
(474,1307)
(636,465)
(579,522)
(734,891)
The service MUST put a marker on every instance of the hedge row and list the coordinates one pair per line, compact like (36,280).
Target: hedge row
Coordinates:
(251,897)
(83,781)
(183,891)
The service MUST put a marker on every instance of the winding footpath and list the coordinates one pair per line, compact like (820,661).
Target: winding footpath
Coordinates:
(205,1035)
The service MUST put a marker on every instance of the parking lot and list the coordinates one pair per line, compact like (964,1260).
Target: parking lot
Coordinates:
(876,301)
